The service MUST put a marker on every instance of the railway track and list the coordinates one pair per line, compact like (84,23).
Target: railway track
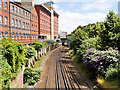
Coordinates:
(64,72)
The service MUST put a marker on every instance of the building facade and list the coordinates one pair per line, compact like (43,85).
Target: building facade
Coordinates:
(20,23)
(25,22)
(4,19)
(47,21)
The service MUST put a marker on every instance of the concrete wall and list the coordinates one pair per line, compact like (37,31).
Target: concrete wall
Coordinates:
(18,81)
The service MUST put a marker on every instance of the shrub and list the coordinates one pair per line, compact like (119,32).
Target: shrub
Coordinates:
(86,44)
(5,74)
(14,52)
(37,45)
(112,74)
(30,51)
(31,76)
(99,61)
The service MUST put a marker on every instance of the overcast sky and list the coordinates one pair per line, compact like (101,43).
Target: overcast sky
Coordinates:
(81,12)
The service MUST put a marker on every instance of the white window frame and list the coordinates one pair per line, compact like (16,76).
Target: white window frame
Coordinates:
(6,35)
(15,9)
(16,22)
(26,14)
(6,20)
(5,5)
(19,36)
(12,8)
(19,11)
(12,22)
(19,24)
(26,25)
(26,37)
(13,36)
(23,13)
(23,24)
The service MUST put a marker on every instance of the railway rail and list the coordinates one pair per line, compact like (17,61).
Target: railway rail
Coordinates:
(65,71)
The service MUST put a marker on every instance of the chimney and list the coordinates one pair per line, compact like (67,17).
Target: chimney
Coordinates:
(28,3)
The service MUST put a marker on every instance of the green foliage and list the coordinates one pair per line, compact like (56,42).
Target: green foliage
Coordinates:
(37,45)
(76,39)
(112,74)
(51,42)
(86,44)
(5,74)
(14,52)
(31,76)
(110,36)
(30,51)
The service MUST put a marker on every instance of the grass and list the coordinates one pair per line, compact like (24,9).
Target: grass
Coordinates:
(39,61)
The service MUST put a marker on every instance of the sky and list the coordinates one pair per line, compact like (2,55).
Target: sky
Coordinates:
(73,13)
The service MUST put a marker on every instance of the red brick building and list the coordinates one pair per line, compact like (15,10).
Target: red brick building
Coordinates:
(47,21)
(25,22)
(4,19)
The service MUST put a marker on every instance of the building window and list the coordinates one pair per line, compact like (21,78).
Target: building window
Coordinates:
(26,25)
(23,13)
(32,37)
(26,37)
(23,24)
(5,5)
(19,11)
(0,3)
(15,9)
(16,22)
(36,36)
(19,24)
(16,36)
(32,26)
(23,36)
(6,34)
(32,17)
(12,8)
(13,36)
(12,22)
(26,14)
(5,20)
(0,19)
(20,36)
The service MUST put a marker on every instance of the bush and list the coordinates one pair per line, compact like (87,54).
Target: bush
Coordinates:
(112,74)
(30,51)
(5,74)
(86,44)
(14,52)
(37,45)
(31,76)
(99,61)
